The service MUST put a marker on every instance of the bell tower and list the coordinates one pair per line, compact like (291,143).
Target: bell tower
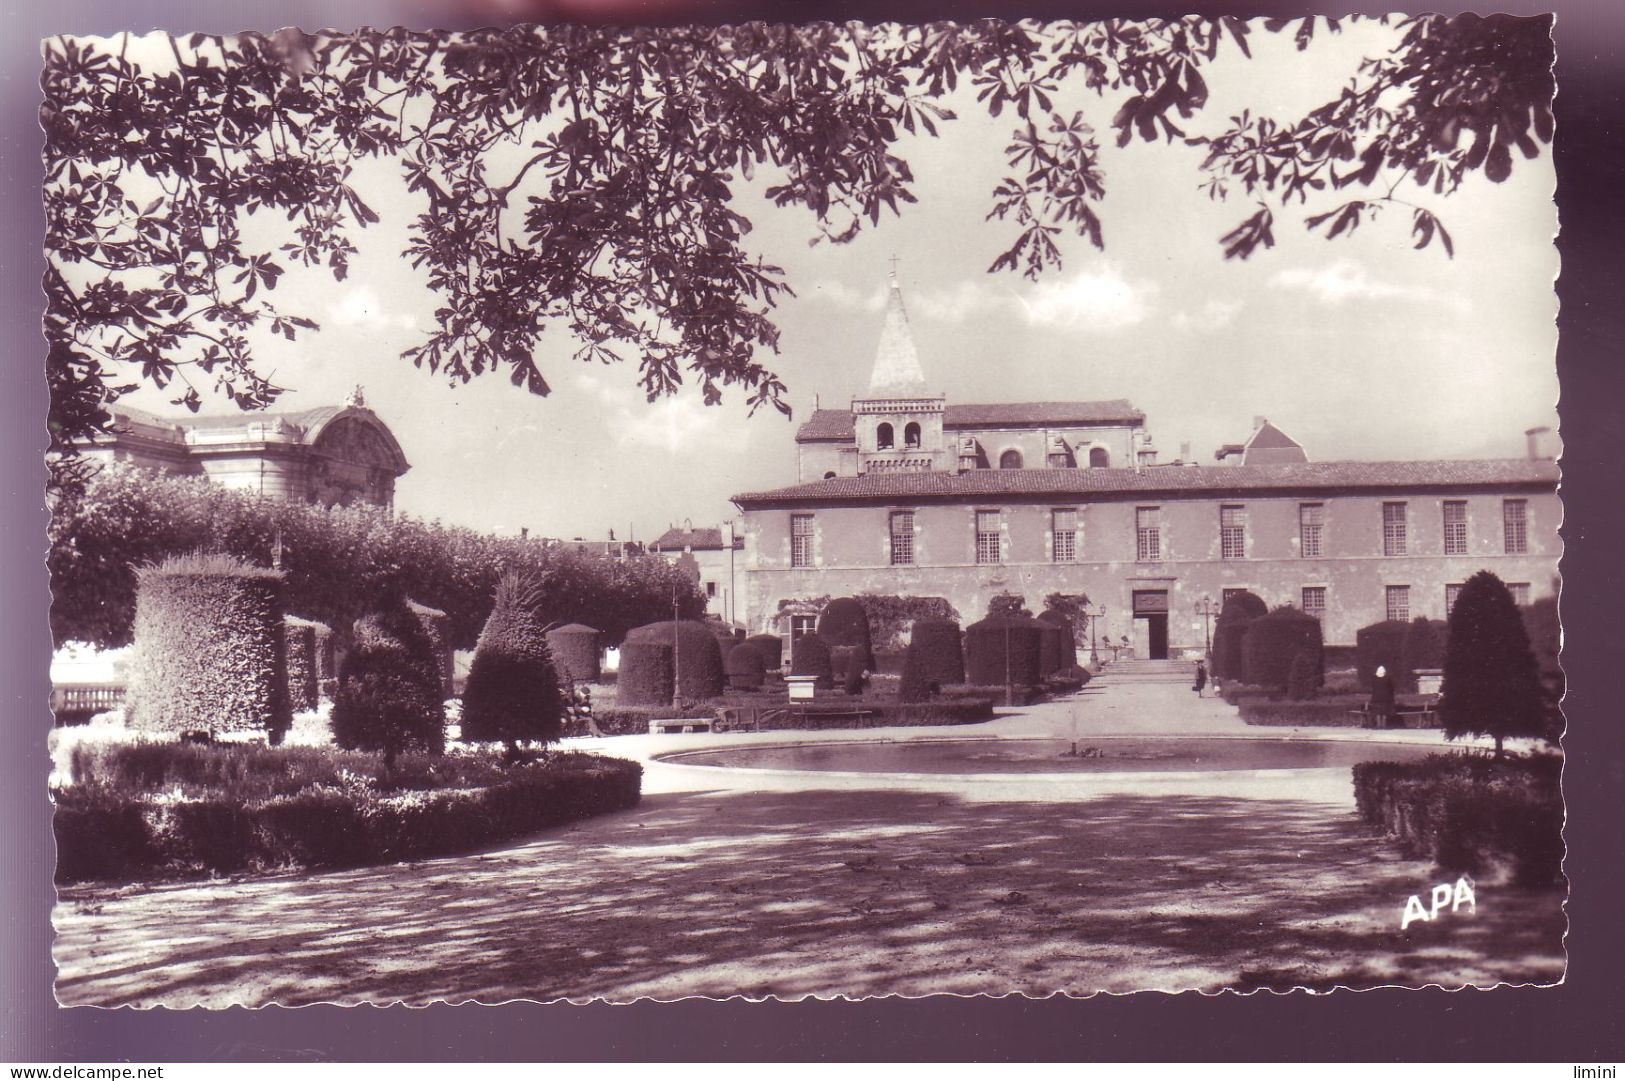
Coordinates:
(898,423)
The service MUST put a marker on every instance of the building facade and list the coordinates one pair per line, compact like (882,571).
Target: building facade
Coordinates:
(333,455)
(1016,499)
(713,555)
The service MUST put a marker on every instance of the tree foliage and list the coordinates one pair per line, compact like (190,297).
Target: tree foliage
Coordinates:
(513,690)
(1491,682)
(590,180)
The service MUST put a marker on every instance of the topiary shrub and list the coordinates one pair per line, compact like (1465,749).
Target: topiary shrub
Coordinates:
(846,662)
(645,678)
(1305,678)
(1003,650)
(1540,622)
(695,653)
(1381,644)
(577,649)
(513,693)
(843,623)
(745,668)
(935,646)
(1273,641)
(1491,685)
(299,644)
(1230,630)
(387,699)
(809,656)
(436,632)
(914,686)
(209,650)
(1058,648)
(327,666)
(770,647)
(1423,647)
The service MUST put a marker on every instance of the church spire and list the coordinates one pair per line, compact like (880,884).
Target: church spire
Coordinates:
(897,370)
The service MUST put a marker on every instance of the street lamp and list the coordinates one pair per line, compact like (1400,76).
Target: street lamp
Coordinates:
(1091,616)
(1207,608)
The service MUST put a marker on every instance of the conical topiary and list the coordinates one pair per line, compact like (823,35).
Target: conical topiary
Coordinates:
(387,700)
(1491,683)
(513,693)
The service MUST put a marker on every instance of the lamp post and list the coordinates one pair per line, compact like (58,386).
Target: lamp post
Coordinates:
(1207,608)
(1091,616)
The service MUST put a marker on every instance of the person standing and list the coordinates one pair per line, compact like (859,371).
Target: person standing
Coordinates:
(1382,698)
(1201,678)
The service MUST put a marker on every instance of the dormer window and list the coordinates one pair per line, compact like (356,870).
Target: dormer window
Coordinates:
(1010,459)
(911,434)
(885,439)
(1099,458)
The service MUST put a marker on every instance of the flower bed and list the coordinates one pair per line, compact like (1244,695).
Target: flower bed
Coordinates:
(163,810)
(1471,813)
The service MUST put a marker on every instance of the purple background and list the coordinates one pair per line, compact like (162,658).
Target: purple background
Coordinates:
(1578,1022)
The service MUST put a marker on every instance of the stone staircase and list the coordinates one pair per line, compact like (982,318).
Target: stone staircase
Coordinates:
(1144,671)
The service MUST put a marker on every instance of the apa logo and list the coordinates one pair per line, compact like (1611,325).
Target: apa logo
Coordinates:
(1443,894)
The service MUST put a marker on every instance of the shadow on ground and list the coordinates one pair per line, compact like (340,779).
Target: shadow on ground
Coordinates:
(825,892)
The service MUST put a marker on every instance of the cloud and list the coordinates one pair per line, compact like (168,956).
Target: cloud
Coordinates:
(1212,315)
(1344,280)
(359,306)
(673,425)
(844,296)
(1099,299)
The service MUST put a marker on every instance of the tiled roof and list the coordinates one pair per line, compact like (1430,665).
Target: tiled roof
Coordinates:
(1171,480)
(835,425)
(1269,437)
(702,539)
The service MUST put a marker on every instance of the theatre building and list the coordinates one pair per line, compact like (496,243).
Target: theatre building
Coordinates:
(907,494)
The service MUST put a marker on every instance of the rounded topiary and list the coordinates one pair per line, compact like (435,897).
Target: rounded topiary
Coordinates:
(843,622)
(1003,650)
(937,652)
(386,699)
(437,656)
(513,694)
(1229,631)
(299,643)
(1058,646)
(645,678)
(695,653)
(1381,645)
(1491,681)
(770,646)
(209,654)
(577,651)
(809,656)
(745,668)
(1274,640)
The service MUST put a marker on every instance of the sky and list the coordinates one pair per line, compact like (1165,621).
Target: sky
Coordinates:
(1360,348)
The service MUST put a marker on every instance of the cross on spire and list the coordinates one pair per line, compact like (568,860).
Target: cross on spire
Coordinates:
(893,261)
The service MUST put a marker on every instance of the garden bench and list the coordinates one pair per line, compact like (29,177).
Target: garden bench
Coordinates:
(1411,717)
(666,725)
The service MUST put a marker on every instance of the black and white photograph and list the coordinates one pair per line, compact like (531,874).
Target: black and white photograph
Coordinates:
(805,510)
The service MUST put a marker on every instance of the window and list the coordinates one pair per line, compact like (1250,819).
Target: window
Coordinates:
(1515,525)
(1064,527)
(1099,458)
(902,538)
(1010,459)
(1148,534)
(1520,593)
(830,475)
(802,626)
(1455,527)
(1224,597)
(1233,532)
(1314,601)
(911,434)
(1311,518)
(1399,602)
(987,536)
(1451,592)
(711,589)
(1393,529)
(801,540)
(884,437)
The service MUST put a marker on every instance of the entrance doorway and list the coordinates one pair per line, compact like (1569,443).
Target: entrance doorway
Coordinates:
(1151,623)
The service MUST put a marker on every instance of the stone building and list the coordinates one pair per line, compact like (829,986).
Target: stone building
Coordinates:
(712,553)
(905,494)
(332,455)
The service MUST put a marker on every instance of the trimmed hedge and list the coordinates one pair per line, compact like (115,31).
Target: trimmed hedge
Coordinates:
(771,648)
(327,661)
(1058,646)
(1003,649)
(844,624)
(1229,633)
(299,646)
(513,694)
(1315,713)
(1471,813)
(745,668)
(809,656)
(1423,647)
(577,652)
(109,831)
(1273,641)
(695,652)
(1382,644)
(938,647)
(389,696)
(645,677)
(1545,632)
(1491,683)
(436,627)
(209,655)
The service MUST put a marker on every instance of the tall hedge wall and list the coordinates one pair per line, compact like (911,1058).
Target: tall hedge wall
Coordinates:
(645,677)
(988,643)
(577,652)
(1274,641)
(696,653)
(844,624)
(338,561)
(1382,644)
(1058,648)
(299,644)
(209,651)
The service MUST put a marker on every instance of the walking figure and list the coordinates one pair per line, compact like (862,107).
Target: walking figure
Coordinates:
(1201,678)
(1382,698)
